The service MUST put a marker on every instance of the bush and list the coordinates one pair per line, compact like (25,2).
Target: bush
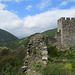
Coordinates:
(4,52)
(73,66)
(6,70)
(34,51)
(68,66)
(11,60)
(38,66)
(54,69)
(26,58)
(50,59)
(52,51)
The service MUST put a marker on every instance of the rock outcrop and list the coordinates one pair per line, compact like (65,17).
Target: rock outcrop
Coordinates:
(37,48)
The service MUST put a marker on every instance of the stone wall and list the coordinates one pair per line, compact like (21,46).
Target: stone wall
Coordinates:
(51,41)
(37,49)
(66,28)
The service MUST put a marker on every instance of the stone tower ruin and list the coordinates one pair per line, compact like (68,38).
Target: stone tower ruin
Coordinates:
(66,31)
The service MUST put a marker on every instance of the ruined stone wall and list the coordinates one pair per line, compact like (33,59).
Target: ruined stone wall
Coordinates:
(66,27)
(51,41)
(58,37)
(37,49)
(59,25)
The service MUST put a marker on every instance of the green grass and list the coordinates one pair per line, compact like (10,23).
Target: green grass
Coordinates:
(50,33)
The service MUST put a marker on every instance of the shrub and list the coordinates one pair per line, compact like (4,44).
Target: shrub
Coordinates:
(54,69)
(38,66)
(4,51)
(6,70)
(52,51)
(21,53)
(68,66)
(34,51)
(69,52)
(73,66)
(26,58)
(50,59)
(11,60)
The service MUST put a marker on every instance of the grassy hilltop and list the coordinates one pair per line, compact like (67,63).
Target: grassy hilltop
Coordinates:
(50,33)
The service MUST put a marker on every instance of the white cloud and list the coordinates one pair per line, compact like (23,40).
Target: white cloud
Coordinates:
(43,4)
(32,24)
(64,3)
(2,6)
(28,7)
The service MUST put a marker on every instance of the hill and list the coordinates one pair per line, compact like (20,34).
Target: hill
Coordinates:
(6,37)
(50,33)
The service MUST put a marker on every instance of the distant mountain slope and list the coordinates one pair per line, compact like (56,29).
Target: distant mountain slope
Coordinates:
(14,45)
(50,32)
(6,36)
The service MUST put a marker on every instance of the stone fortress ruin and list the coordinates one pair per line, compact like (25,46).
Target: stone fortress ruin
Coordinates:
(66,31)
(38,44)
(65,36)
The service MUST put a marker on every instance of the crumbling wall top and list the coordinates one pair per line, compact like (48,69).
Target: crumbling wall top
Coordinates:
(62,18)
(66,19)
(72,19)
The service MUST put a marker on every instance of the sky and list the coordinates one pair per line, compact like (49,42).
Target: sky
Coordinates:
(25,17)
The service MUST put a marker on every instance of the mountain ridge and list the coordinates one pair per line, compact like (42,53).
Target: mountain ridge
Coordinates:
(6,36)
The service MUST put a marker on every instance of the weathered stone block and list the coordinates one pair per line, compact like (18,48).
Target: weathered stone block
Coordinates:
(44,58)
(44,52)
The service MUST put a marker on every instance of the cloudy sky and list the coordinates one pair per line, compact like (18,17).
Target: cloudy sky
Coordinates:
(25,17)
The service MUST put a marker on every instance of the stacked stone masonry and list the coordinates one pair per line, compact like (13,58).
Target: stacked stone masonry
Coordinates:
(66,31)
(38,46)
